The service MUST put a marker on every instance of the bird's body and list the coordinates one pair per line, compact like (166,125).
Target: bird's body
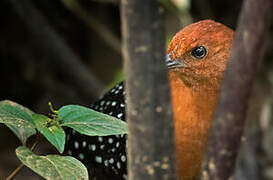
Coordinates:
(105,157)
(197,58)
(195,89)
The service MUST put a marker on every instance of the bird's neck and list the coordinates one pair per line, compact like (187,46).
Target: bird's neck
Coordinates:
(193,108)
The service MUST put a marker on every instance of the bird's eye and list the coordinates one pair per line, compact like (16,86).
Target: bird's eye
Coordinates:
(199,52)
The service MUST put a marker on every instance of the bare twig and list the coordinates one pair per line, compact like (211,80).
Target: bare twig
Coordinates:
(248,48)
(149,114)
(59,53)
(18,169)
(15,172)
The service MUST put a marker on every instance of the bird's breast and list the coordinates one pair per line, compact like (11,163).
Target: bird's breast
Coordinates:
(192,118)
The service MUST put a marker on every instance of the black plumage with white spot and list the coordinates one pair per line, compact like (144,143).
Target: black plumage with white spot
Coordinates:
(104,156)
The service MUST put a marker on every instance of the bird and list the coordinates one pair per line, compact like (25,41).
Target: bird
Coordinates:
(196,60)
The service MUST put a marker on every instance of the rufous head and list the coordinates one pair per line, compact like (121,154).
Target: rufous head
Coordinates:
(199,52)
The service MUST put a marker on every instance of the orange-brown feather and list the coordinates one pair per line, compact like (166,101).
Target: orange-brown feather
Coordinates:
(195,89)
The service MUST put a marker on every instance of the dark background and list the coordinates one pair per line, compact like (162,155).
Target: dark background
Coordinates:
(30,74)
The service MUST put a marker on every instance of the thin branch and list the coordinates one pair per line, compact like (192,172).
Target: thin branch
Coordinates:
(18,169)
(58,52)
(149,114)
(228,125)
(15,172)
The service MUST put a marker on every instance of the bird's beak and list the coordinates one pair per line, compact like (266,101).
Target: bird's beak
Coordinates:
(174,63)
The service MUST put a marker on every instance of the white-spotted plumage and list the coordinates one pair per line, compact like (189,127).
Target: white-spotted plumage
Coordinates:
(105,157)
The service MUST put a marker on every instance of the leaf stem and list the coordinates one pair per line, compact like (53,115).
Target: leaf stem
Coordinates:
(34,145)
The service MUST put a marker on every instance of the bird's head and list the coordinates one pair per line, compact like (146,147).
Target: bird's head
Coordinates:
(197,54)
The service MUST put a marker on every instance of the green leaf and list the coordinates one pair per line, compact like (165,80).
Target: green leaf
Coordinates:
(53,166)
(18,118)
(53,132)
(90,122)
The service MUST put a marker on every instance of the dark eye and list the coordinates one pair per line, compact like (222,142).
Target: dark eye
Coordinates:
(199,52)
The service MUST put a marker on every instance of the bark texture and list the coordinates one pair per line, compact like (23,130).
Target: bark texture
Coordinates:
(228,125)
(149,114)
